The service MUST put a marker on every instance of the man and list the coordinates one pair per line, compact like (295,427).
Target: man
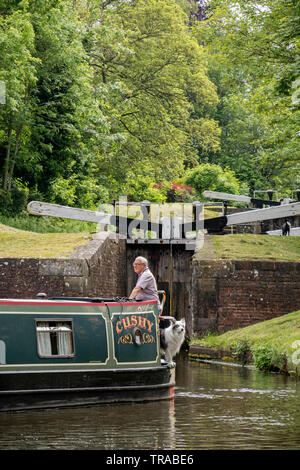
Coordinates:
(146,288)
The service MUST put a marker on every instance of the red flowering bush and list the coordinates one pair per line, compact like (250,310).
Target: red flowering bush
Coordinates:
(177,192)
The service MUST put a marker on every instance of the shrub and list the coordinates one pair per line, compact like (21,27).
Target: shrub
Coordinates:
(241,351)
(180,193)
(14,201)
(212,177)
(262,356)
(268,358)
(176,191)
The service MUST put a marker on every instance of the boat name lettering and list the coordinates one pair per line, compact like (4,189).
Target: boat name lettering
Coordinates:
(128,339)
(132,322)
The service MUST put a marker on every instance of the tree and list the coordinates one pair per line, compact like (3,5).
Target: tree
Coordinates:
(18,72)
(152,77)
(212,177)
(51,123)
(257,45)
(100,94)
(68,119)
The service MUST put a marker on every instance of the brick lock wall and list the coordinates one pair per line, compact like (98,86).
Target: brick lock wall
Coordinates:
(233,294)
(96,269)
(108,269)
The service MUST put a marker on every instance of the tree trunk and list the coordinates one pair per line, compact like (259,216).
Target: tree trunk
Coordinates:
(7,159)
(12,164)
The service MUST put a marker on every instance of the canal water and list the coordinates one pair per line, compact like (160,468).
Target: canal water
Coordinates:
(215,407)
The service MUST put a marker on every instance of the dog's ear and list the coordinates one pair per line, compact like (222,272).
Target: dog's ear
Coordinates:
(183,321)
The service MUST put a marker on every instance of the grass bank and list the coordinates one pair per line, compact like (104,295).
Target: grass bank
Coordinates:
(16,243)
(39,245)
(38,224)
(270,345)
(252,247)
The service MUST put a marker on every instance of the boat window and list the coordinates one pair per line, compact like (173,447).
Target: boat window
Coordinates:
(55,338)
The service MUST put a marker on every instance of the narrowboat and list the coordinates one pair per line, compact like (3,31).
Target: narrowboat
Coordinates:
(61,352)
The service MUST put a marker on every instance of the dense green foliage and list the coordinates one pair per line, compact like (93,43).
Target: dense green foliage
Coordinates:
(111,97)
(212,177)
(253,52)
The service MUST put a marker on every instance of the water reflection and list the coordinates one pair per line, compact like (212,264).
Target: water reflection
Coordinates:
(215,407)
(238,408)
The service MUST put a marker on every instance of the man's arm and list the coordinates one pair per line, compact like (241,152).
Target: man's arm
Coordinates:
(135,292)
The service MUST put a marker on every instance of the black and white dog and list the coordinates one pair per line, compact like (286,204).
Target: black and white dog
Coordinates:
(171,339)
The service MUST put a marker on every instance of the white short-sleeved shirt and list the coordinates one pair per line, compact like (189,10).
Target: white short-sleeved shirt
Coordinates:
(148,284)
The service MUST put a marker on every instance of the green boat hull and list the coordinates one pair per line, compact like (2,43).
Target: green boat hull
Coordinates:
(71,352)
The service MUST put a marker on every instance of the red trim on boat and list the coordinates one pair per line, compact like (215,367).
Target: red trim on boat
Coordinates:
(72,302)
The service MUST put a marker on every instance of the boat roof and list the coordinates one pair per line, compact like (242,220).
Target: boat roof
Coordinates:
(77,301)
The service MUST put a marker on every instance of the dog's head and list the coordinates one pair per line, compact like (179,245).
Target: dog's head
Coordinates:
(178,327)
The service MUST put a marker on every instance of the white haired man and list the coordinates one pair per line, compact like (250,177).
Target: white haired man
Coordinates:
(146,287)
